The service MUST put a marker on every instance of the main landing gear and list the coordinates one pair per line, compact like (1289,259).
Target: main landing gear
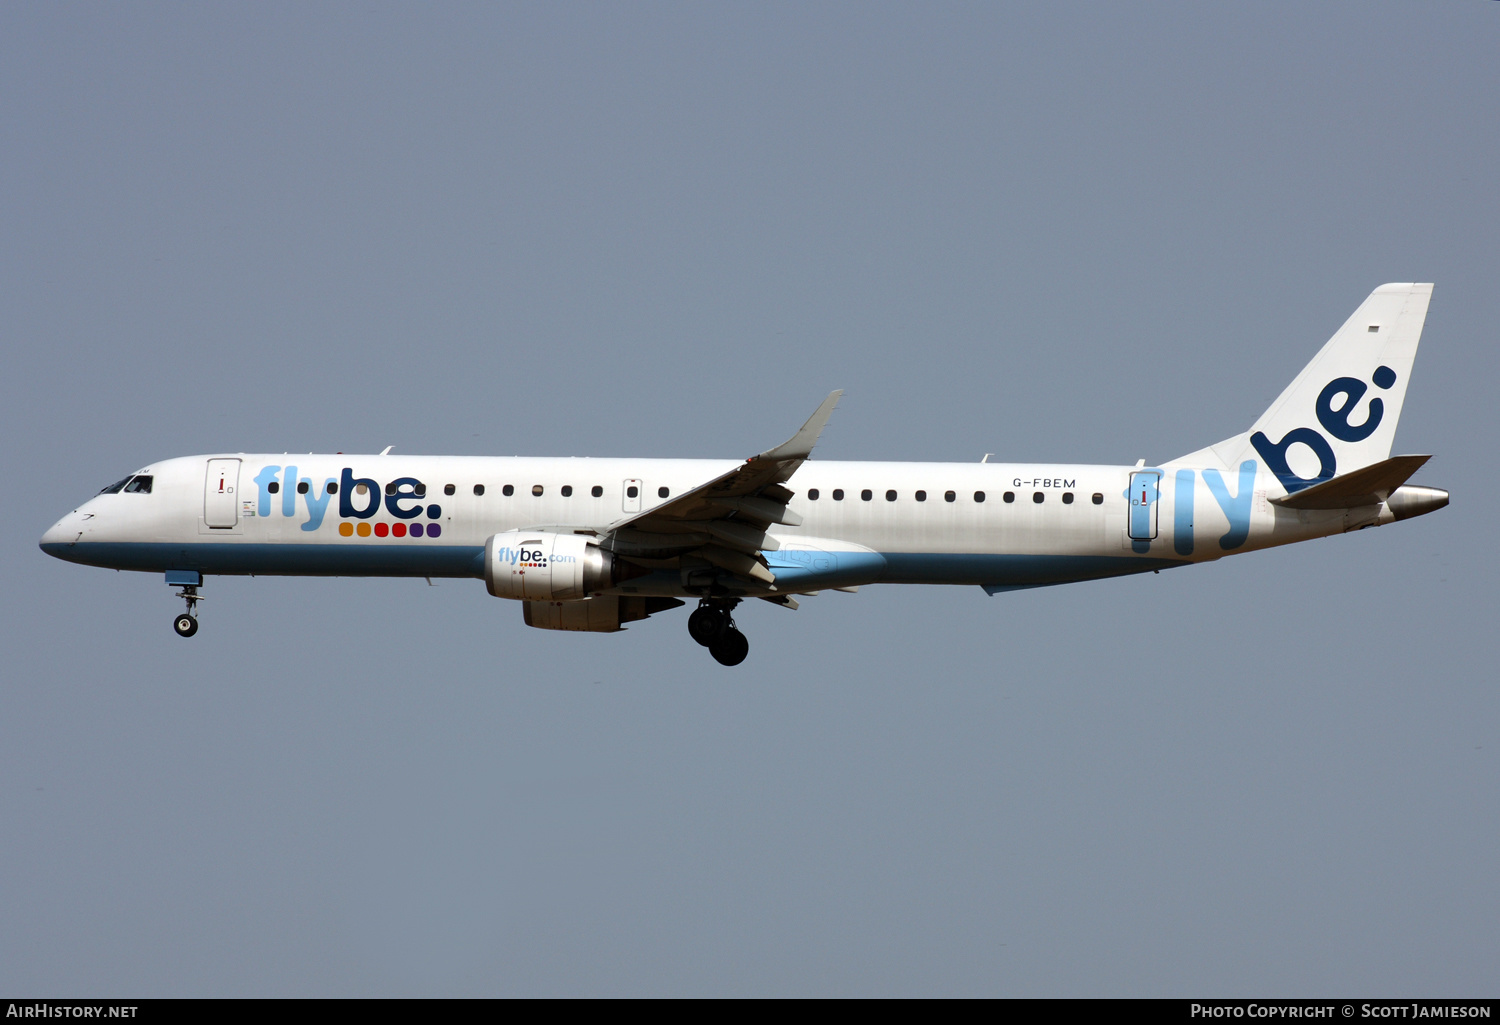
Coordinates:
(187,624)
(712,626)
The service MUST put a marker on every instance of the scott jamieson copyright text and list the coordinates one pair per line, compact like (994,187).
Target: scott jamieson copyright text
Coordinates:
(1419,1009)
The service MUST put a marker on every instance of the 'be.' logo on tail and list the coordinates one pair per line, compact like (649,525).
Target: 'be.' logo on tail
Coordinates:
(1347,392)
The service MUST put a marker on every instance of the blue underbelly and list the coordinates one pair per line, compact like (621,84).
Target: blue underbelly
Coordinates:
(1011,572)
(341,560)
(993,572)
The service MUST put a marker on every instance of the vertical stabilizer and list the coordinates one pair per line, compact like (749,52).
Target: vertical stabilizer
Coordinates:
(1340,413)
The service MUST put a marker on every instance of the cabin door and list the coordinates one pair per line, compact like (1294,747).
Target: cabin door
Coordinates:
(1143,502)
(219,497)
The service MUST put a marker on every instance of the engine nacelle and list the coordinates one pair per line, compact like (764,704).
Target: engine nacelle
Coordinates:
(532,565)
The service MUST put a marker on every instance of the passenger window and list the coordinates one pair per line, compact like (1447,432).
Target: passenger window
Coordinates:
(274,488)
(890,496)
(333,487)
(508,490)
(478,489)
(866,495)
(812,494)
(536,489)
(630,492)
(663,492)
(979,496)
(301,487)
(390,489)
(139,485)
(1098,498)
(1009,497)
(838,494)
(950,496)
(1038,497)
(114,489)
(567,491)
(597,491)
(1067,498)
(920,496)
(448,489)
(420,490)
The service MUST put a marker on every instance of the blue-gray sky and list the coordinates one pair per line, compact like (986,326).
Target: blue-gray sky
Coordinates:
(1075,232)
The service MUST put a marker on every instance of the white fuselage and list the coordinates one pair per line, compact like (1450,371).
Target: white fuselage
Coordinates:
(1005,525)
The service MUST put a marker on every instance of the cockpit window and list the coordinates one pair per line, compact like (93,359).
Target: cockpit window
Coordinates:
(114,488)
(139,485)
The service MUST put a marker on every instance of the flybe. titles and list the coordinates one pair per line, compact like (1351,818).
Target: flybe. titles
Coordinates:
(358,497)
(528,558)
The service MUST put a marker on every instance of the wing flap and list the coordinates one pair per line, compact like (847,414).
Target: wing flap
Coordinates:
(763,509)
(742,536)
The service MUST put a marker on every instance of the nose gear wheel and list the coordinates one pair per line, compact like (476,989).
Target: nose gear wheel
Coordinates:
(187,624)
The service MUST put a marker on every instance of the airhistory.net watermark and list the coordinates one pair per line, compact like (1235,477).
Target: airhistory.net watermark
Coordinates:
(47,1009)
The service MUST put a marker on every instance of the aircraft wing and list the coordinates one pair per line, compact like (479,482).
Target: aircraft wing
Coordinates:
(722,524)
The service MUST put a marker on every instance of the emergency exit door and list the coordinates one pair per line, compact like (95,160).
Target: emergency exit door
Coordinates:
(632,495)
(1143,502)
(219,493)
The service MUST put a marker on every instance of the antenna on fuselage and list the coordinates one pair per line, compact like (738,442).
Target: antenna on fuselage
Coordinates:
(387,450)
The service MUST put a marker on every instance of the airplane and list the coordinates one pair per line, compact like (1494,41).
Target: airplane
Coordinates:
(594,544)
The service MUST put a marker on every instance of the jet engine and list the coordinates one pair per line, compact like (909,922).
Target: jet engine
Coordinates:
(539,566)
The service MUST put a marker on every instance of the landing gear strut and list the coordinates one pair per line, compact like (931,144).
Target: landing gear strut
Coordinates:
(187,624)
(712,626)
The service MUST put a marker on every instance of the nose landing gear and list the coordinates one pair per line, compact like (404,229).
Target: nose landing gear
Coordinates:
(712,626)
(187,624)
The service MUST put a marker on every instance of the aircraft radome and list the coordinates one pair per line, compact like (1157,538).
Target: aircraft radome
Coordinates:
(593,544)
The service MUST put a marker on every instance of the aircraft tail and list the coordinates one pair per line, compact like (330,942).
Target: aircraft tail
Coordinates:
(1340,413)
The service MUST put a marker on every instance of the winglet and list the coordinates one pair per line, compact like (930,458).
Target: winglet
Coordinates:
(801,444)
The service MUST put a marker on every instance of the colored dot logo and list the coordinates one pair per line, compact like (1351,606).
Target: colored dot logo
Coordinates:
(347,529)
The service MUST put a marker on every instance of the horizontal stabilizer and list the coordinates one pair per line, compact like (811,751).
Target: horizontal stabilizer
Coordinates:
(1369,485)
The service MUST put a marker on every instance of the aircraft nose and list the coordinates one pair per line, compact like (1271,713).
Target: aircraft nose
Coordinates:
(63,534)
